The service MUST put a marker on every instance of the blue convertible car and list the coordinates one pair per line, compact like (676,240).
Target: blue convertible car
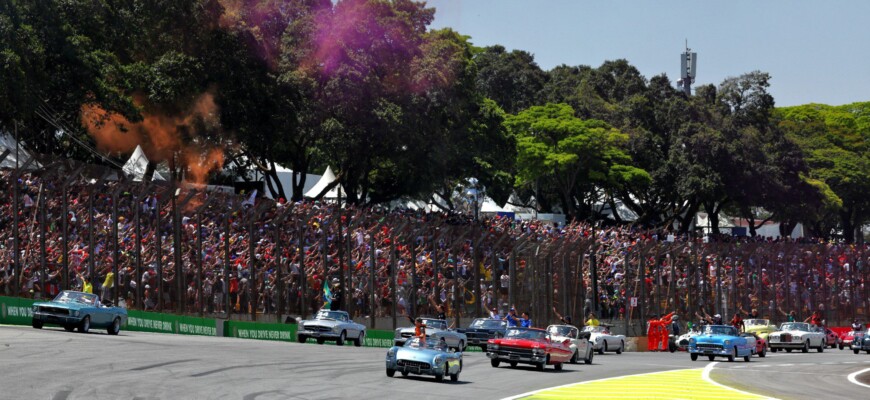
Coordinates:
(719,341)
(424,357)
(73,310)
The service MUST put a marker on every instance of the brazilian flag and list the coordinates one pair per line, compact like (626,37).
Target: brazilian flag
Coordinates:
(327,294)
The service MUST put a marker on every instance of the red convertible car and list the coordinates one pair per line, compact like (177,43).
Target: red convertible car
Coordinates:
(528,346)
(760,343)
(847,338)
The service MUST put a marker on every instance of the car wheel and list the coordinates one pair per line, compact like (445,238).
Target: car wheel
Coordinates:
(746,358)
(495,362)
(788,350)
(774,349)
(694,357)
(36,324)
(733,355)
(621,348)
(461,345)
(541,366)
(301,338)
(85,325)
(806,348)
(711,358)
(405,373)
(320,340)
(856,351)
(821,348)
(575,357)
(513,364)
(360,339)
(69,328)
(841,346)
(603,348)
(341,338)
(439,377)
(558,366)
(454,377)
(588,360)
(391,372)
(115,328)
(763,353)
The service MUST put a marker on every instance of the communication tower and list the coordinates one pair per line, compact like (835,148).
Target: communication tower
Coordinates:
(688,69)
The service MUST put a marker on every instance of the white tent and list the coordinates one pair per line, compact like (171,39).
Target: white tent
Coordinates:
(7,142)
(327,178)
(137,164)
(285,176)
(489,205)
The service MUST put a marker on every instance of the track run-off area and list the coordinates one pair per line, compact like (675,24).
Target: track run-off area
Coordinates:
(54,364)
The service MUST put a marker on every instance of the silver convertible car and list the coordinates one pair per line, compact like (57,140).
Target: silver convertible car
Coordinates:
(435,329)
(84,311)
(424,357)
(331,325)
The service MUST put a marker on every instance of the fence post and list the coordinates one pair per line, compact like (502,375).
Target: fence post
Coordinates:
(372,283)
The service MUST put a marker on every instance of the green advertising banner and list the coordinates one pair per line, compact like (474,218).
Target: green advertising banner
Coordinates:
(141,321)
(16,311)
(260,331)
(196,326)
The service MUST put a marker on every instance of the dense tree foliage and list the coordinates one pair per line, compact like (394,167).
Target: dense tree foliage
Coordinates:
(400,110)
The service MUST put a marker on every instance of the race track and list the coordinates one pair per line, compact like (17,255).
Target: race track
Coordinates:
(54,364)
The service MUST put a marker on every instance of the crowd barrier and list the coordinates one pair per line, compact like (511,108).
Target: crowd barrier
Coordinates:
(19,311)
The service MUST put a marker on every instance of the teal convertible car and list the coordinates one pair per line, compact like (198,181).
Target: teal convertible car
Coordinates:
(73,310)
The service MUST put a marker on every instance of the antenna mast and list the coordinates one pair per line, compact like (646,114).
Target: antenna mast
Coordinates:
(688,69)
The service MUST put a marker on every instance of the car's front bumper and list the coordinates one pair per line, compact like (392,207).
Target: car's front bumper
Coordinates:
(46,318)
(786,345)
(415,368)
(525,359)
(709,351)
(318,334)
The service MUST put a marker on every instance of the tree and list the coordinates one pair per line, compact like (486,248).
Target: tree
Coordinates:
(554,145)
(511,79)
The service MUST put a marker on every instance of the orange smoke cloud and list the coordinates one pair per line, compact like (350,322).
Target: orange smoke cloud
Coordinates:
(159,135)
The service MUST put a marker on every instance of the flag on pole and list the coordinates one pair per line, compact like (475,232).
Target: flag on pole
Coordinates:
(327,294)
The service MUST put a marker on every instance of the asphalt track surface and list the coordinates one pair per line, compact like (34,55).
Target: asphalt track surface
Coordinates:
(54,364)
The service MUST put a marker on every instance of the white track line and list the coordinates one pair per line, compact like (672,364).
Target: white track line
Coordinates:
(853,377)
(705,375)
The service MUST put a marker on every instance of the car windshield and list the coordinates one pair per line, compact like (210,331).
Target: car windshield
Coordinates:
(795,326)
(563,330)
(754,322)
(486,323)
(435,323)
(525,334)
(76,297)
(338,316)
(720,330)
(594,329)
(417,343)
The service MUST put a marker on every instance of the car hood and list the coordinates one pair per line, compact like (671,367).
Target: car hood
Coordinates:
(57,304)
(525,343)
(792,332)
(422,355)
(760,329)
(321,322)
(713,338)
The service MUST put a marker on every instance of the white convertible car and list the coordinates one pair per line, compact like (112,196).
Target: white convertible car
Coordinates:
(435,329)
(579,342)
(603,340)
(333,326)
(797,335)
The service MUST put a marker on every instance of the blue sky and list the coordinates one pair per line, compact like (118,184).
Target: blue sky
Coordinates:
(815,51)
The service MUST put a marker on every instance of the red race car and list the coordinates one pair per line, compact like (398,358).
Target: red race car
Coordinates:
(848,337)
(528,346)
(831,338)
(760,343)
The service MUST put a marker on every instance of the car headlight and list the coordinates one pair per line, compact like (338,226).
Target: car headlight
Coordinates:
(692,341)
(538,351)
(76,313)
(727,342)
(493,346)
(336,329)
(438,360)
(35,308)
(391,352)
